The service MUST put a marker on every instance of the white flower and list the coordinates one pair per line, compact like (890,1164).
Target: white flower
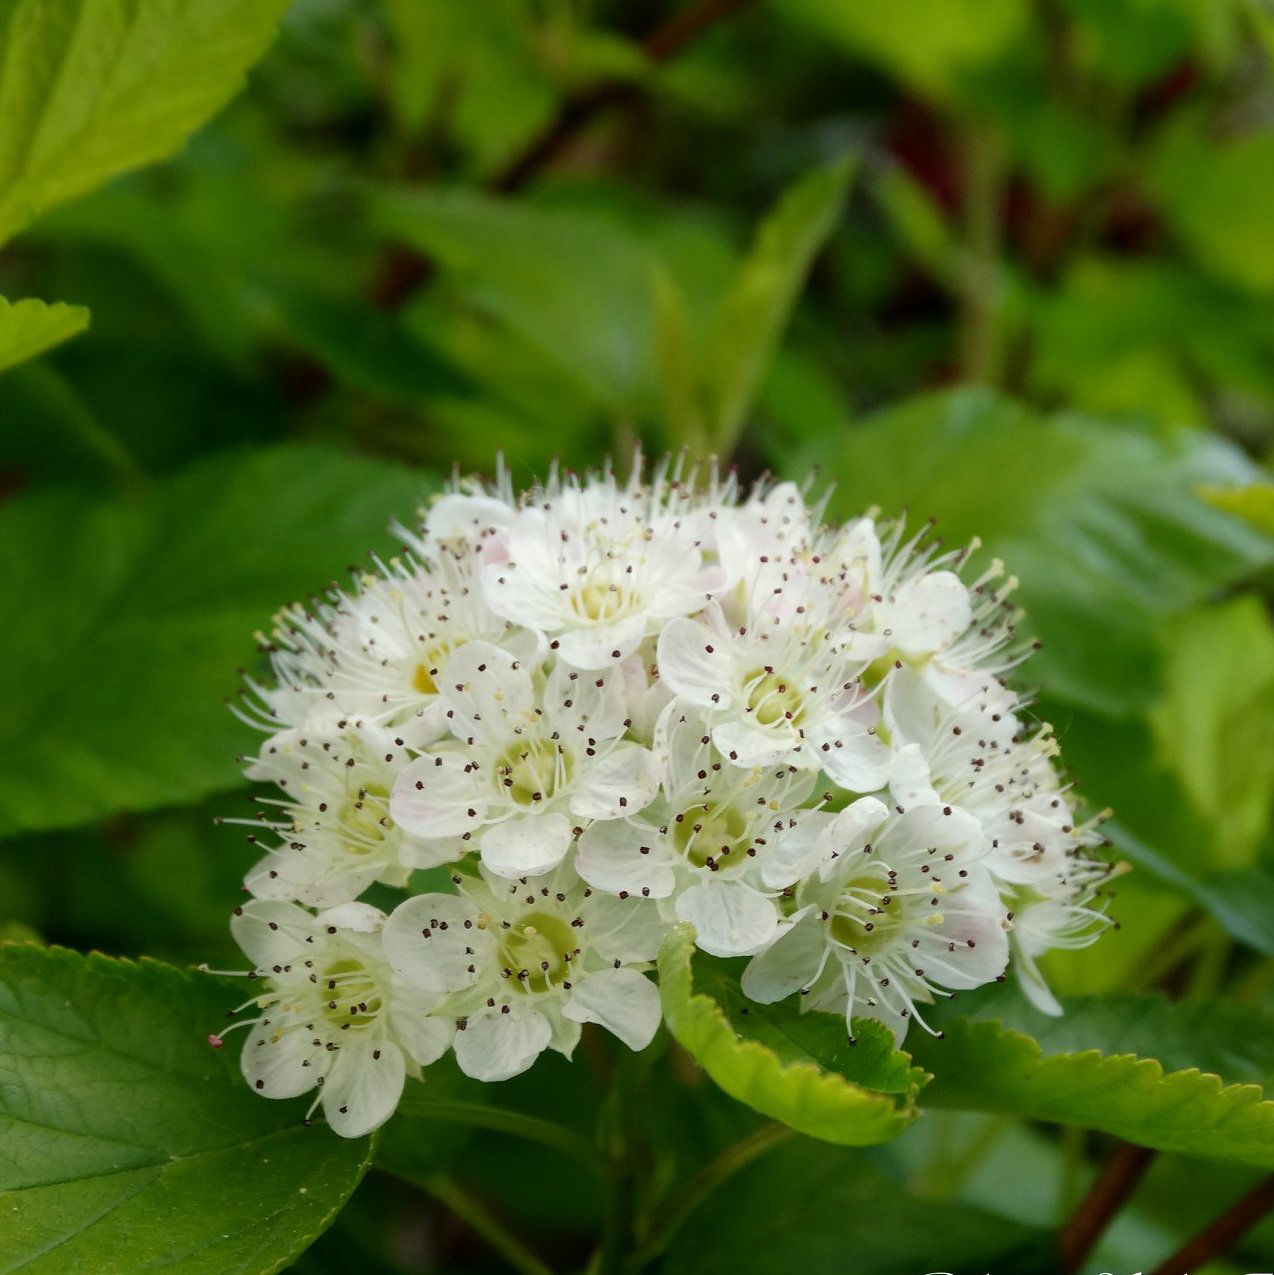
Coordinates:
(521,964)
(597,569)
(380,653)
(981,758)
(336,835)
(901,911)
(778,690)
(332,1014)
(528,759)
(721,840)
(1061,913)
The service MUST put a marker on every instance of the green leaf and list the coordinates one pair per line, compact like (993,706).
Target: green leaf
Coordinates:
(756,309)
(1138,1067)
(827,1211)
(1100,523)
(93,88)
(130,1145)
(792,1068)
(574,285)
(30,327)
(931,44)
(128,619)
(1253,503)
(1215,724)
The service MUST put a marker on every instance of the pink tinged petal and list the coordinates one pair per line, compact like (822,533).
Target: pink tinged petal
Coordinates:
(279,1067)
(789,964)
(622,782)
(271,932)
(431,940)
(730,918)
(526,846)
(927,614)
(695,661)
(625,930)
(487,691)
(623,1001)
(625,858)
(363,1087)
(439,795)
(909,778)
(600,645)
(496,1045)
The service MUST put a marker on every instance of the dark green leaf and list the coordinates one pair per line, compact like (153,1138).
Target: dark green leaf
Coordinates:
(130,1145)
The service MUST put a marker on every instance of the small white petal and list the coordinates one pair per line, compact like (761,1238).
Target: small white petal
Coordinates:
(695,661)
(622,782)
(601,645)
(363,1087)
(927,614)
(496,1045)
(425,1037)
(909,781)
(858,761)
(746,743)
(271,932)
(487,690)
(623,1001)
(624,930)
(276,1066)
(611,858)
(439,795)
(730,918)
(428,938)
(787,965)
(526,845)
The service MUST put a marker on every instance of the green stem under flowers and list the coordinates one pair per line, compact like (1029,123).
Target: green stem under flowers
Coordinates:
(517,1125)
(481,1221)
(713,1175)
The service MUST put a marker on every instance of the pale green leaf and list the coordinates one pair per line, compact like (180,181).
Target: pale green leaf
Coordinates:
(756,309)
(127,621)
(1253,503)
(93,88)
(1214,725)
(1138,1067)
(801,1071)
(131,1145)
(29,327)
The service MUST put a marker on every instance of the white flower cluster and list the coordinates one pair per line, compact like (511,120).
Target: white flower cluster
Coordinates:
(612,707)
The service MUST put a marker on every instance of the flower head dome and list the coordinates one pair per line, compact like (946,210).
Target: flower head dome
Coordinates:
(612,707)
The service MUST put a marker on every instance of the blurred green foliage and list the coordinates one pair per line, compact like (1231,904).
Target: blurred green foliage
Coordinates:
(1005,263)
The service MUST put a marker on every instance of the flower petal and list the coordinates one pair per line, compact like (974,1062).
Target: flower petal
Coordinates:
(601,645)
(526,846)
(624,930)
(623,1001)
(431,940)
(363,1087)
(790,963)
(271,932)
(730,918)
(278,1067)
(927,614)
(439,795)
(624,856)
(621,782)
(497,1044)
(696,662)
